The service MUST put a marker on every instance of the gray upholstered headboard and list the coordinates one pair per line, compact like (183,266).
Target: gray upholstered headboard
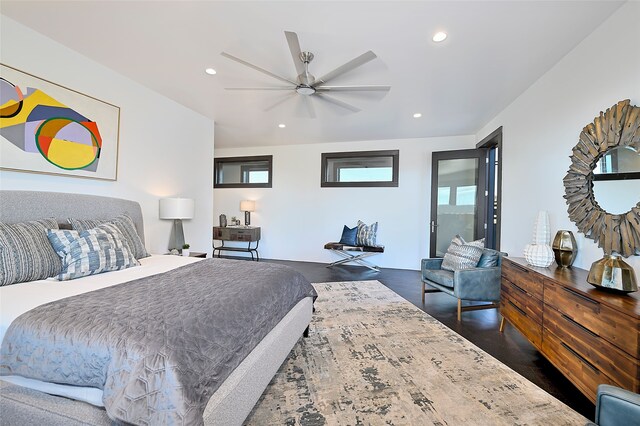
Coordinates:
(20,206)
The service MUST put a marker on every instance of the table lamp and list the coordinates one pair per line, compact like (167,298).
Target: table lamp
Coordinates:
(177,209)
(247,206)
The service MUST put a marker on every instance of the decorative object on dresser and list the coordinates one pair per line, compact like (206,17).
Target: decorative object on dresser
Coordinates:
(592,162)
(591,336)
(613,273)
(223,220)
(247,206)
(177,209)
(565,248)
(248,234)
(185,250)
(540,253)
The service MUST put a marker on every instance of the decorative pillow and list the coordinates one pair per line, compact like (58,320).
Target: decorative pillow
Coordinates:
(488,259)
(25,252)
(366,234)
(462,255)
(349,236)
(90,252)
(124,224)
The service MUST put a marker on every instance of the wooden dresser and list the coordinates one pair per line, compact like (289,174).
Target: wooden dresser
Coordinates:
(591,336)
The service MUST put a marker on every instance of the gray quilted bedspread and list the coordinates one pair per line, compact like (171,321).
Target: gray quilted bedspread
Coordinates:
(159,346)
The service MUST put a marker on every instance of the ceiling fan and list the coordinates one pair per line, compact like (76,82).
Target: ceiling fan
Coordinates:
(306,84)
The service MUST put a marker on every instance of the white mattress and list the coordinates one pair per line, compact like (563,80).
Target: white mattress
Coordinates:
(17,299)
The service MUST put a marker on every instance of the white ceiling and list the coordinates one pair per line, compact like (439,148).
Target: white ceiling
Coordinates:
(495,50)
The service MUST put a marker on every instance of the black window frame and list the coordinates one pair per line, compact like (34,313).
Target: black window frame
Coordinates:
(326,156)
(219,161)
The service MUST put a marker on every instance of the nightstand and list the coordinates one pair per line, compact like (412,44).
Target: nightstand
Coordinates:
(248,234)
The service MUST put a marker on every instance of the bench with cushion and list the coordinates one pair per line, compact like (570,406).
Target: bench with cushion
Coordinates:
(355,244)
(354,254)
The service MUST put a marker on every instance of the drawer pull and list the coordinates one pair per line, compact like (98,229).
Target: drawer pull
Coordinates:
(582,327)
(581,358)
(517,308)
(519,288)
(575,293)
(519,268)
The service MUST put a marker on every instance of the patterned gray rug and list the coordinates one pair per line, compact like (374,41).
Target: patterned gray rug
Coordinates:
(374,358)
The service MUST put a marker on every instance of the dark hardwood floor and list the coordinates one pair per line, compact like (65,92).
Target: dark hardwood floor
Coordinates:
(480,327)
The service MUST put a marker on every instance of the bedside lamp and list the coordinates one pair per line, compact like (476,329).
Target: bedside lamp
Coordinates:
(177,209)
(247,206)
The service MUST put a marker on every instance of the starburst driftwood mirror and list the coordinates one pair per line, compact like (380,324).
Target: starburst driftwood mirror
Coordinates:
(608,151)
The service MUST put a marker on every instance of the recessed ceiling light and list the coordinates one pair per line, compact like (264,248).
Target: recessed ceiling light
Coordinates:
(210,71)
(417,115)
(282,126)
(439,36)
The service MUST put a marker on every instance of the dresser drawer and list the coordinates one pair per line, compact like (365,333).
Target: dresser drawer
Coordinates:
(585,375)
(519,318)
(523,300)
(525,279)
(617,328)
(606,357)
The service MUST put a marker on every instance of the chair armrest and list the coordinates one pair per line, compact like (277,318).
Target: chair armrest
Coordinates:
(477,284)
(615,406)
(432,264)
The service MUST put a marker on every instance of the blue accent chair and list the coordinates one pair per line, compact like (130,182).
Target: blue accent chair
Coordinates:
(616,407)
(481,283)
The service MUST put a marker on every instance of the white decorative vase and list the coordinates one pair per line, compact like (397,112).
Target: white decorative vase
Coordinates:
(186,252)
(540,252)
(541,229)
(540,255)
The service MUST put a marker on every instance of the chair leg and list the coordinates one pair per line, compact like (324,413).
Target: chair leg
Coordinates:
(502,321)
(423,292)
(459,309)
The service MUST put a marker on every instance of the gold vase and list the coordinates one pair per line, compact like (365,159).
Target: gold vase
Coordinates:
(565,248)
(613,273)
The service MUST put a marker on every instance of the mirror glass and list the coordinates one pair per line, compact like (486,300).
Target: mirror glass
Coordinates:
(616,180)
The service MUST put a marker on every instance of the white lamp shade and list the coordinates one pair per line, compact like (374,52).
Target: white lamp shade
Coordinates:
(247,206)
(177,208)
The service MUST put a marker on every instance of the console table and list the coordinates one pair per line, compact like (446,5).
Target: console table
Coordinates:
(592,336)
(248,234)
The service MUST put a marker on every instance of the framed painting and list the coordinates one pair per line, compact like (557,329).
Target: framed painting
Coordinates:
(48,128)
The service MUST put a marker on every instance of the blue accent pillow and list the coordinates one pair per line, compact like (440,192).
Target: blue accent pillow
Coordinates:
(90,252)
(349,236)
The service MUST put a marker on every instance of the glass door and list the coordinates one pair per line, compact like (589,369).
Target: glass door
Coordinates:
(458,197)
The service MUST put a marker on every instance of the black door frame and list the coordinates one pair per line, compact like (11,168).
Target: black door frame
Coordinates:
(491,144)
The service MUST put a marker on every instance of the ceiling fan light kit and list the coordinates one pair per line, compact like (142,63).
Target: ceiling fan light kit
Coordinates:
(306,84)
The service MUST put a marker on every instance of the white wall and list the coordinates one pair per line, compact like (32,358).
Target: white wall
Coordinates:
(165,149)
(298,217)
(542,126)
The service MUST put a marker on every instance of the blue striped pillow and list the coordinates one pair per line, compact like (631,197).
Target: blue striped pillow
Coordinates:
(91,252)
(367,234)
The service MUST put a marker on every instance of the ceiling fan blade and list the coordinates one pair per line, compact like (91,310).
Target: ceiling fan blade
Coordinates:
(335,101)
(260,88)
(354,63)
(280,101)
(353,88)
(307,102)
(257,68)
(294,47)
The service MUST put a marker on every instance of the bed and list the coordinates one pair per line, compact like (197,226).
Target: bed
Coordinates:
(29,400)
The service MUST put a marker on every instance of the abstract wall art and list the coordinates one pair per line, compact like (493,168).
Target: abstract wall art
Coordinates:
(48,128)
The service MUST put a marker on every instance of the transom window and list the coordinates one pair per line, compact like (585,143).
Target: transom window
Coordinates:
(243,172)
(360,169)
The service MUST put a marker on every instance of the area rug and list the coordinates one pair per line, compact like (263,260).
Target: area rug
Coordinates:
(374,358)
